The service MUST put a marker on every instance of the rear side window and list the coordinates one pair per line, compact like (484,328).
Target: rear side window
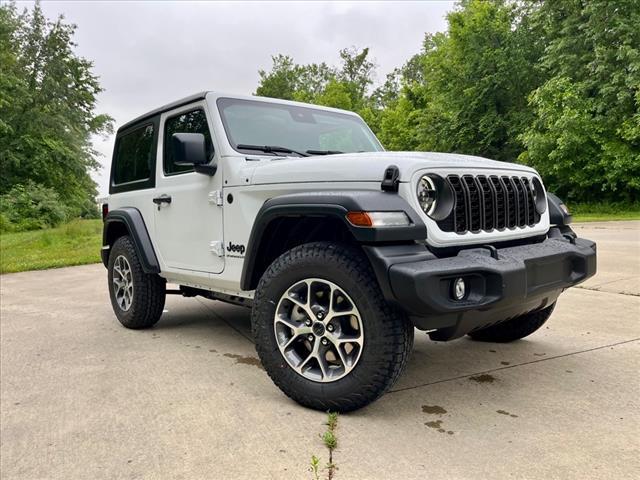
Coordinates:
(194,121)
(135,155)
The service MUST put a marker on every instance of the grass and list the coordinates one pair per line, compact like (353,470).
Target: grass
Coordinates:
(604,212)
(75,243)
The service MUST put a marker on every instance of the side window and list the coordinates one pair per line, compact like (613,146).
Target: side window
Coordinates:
(134,156)
(194,121)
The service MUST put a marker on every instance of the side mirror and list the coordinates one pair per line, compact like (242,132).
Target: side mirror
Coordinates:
(190,149)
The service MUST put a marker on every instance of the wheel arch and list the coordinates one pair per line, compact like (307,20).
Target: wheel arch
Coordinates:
(129,221)
(287,221)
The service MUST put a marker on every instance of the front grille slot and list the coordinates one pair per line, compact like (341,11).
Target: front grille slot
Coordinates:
(460,218)
(486,203)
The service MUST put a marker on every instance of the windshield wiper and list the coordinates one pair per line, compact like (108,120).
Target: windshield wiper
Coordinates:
(270,149)
(323,152)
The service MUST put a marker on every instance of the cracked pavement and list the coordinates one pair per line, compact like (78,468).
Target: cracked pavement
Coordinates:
(82,397)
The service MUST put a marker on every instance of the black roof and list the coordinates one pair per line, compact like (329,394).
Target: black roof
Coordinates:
(169,106)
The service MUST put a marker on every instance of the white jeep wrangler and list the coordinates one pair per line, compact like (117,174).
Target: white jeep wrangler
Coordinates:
(339,247)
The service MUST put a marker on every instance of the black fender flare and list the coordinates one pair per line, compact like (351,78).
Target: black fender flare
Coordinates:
(557,215)
(334,204)
(132,220)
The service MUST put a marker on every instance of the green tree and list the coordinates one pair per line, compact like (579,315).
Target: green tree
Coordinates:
(282,81)
(471,93)
(289,81)
(47,102)
(356,75)
(345,86)
(585,139)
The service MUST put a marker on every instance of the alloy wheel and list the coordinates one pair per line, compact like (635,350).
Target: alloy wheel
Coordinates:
(123,282)
(319,330)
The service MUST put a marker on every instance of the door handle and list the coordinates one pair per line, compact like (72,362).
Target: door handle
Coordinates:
(162,199)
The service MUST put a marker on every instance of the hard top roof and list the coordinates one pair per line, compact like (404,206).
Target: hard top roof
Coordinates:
(202,95)
(169,106)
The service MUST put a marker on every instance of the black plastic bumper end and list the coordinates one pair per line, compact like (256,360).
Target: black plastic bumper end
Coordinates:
(521,279)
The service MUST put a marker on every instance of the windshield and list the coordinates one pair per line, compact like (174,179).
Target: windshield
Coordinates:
(250,123)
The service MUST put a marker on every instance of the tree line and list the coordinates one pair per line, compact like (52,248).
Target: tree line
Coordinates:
(48,97)
(551,84)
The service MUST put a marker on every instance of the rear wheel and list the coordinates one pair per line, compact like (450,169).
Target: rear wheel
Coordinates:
(514,329)
(137,297)
(324,333)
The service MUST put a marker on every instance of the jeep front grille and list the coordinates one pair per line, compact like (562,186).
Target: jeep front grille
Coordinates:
(490,203)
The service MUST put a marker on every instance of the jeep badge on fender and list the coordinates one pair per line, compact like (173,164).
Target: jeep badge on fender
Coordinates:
(236,248)
(341,249)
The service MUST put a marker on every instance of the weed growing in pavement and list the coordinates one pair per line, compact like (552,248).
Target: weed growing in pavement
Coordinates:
(332,420)
(331,442)
(315,465)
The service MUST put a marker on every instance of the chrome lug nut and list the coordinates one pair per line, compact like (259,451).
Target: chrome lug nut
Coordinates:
(325,341)
(308,322)
(330,328)
(310,338)
(320,315)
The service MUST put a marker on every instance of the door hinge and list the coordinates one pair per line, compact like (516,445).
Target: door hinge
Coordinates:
(215,198)
(217,247)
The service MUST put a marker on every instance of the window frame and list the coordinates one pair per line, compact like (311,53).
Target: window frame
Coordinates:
(144,183)
(186,109)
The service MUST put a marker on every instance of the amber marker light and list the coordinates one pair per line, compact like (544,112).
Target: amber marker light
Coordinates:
(378,219)
(359,219)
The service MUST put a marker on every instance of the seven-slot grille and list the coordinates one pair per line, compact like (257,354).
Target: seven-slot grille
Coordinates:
(490,203)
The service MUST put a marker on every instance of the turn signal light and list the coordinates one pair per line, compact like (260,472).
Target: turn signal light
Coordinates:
(360,219)
(378,219)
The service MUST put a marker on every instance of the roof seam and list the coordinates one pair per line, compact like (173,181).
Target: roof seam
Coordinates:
(164,108)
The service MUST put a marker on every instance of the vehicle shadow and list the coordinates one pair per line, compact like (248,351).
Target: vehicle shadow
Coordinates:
(228,328)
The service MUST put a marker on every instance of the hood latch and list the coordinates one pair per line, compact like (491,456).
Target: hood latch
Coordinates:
(391,179)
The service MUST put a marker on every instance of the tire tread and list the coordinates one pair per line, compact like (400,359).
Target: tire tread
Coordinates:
(516,328)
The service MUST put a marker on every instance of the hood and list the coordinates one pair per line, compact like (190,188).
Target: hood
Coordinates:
(367,166)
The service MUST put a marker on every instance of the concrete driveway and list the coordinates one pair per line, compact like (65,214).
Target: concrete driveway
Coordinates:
(82,397)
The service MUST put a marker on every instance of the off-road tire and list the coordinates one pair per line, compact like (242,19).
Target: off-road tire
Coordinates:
(388,335)
(149,290)
(514,329)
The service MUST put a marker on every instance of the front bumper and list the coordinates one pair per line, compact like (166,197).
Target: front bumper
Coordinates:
(501,283)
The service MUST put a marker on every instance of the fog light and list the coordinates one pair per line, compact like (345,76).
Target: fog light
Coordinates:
(459,288)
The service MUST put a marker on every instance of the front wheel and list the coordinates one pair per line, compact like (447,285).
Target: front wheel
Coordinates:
(514,329)
(324,332)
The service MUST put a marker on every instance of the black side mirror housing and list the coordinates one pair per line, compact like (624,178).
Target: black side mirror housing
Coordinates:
(190,149)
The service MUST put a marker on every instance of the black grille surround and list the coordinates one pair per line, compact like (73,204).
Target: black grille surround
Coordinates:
(490,202)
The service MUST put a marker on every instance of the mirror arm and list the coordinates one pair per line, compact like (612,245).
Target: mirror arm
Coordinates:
(206,169)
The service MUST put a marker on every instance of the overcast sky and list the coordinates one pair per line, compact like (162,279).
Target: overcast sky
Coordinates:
(150,53)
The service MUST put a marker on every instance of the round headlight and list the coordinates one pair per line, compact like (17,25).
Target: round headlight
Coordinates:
(539,197)
(427,194)
(435,196)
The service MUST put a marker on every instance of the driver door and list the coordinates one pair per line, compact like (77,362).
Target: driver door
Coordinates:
(188,229)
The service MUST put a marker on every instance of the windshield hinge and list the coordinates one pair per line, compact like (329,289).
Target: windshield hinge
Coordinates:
(215,198)
(217,248)
(391,179)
